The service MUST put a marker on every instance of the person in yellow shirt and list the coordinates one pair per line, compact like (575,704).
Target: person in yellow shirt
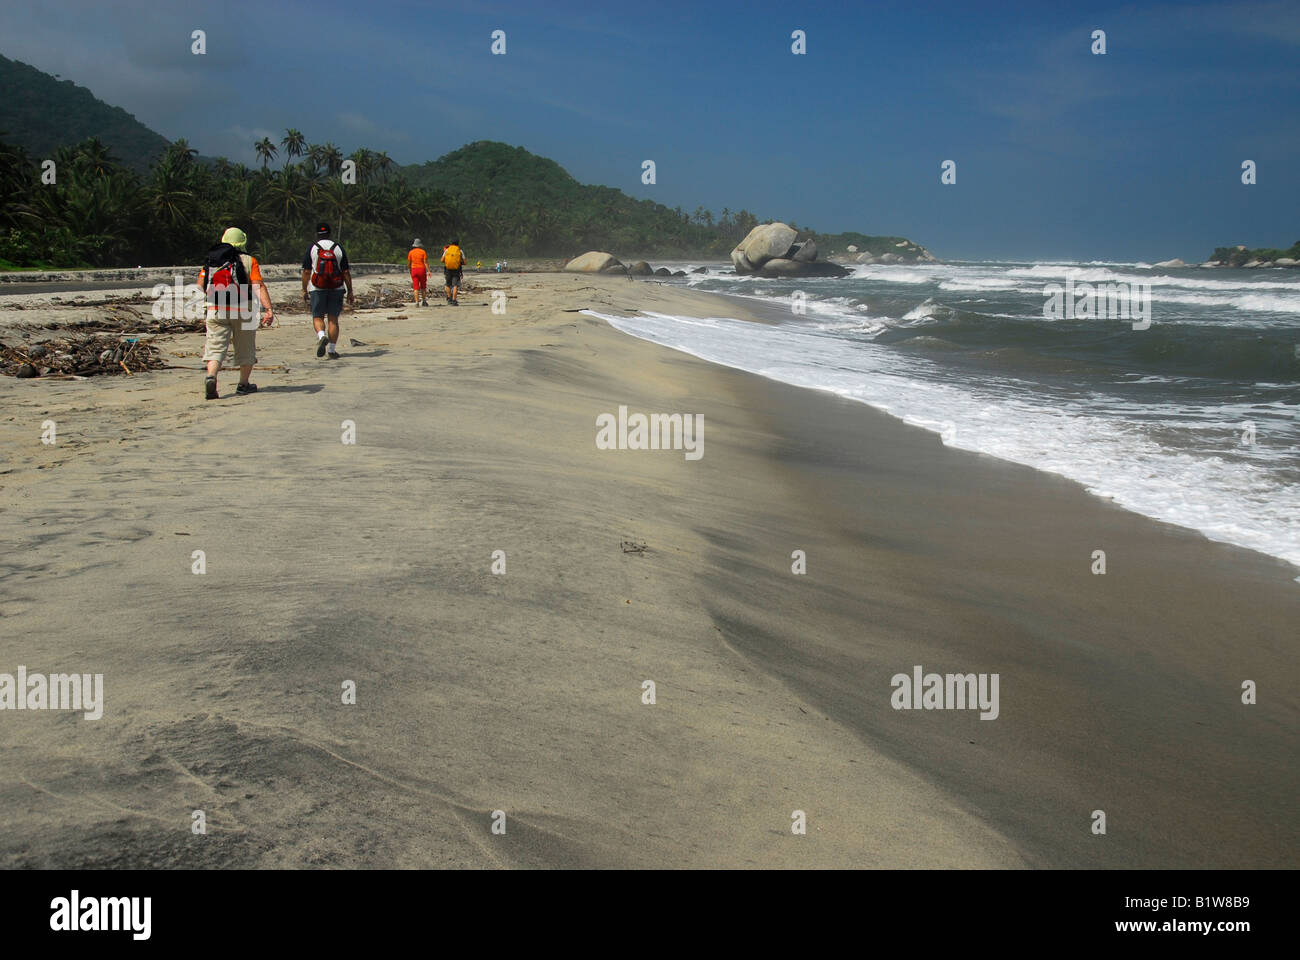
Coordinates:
(419,261)
(452,261)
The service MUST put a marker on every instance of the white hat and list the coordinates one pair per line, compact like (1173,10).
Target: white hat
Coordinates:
(417,243)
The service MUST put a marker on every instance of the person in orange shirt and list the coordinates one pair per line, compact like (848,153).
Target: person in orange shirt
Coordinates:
(419,261)
(229,279)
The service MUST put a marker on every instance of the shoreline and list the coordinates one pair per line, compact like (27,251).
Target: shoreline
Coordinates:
(522,692)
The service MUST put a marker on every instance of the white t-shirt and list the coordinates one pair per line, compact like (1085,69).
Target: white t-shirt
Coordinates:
(309,261)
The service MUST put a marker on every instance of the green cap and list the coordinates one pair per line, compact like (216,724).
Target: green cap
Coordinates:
(236,238)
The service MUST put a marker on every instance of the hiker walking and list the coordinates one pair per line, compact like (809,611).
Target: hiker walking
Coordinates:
(419,261)
(229,278)
(452,260)
(325,272)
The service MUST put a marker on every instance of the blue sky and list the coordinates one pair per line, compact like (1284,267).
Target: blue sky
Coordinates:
(1135,155)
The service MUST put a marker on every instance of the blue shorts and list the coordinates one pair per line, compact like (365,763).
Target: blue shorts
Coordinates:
(326,302)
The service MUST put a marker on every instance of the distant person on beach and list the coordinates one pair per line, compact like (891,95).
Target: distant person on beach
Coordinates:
(229,278)
(419,261)
(452,260)
(325,272)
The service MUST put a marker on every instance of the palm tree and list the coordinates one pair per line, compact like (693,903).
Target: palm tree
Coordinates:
(287,195)
(294,143)
(364,162)
(316,155)
(265,151)
(93,157)
(183,152)
(333,157)
(339,200)
(244,204)
(383,163)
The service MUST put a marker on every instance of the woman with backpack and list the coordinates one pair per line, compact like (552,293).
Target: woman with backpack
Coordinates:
(229,278)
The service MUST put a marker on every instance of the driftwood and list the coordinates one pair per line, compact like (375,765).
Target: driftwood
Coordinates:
(88,356)
(124,324)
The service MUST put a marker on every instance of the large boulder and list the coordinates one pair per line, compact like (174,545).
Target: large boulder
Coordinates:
(595,262)
(785,267)
(700,270)
(640,269)
(767,241)
(1286,262)
(663,272)
(805,252)
(853,248)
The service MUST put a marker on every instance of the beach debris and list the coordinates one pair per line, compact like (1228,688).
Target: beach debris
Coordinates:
(126,324)
(86,356)
(630,546)
(357,343)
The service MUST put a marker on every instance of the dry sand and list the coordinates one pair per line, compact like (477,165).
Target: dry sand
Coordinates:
(522,692)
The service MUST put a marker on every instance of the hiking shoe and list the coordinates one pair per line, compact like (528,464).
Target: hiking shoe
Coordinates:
(321,344)
(210,389)
(244,388)
(333,354)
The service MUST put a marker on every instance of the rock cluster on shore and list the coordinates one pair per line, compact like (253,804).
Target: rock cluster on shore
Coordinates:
(773,250)
(595,261)
(906,252)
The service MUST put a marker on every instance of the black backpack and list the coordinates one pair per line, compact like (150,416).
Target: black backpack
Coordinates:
(223,271)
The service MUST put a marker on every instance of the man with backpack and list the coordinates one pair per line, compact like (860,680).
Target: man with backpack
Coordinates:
(229,278)
(325,272)
(452,260)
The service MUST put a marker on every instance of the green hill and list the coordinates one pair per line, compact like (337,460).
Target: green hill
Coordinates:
(531,204)
(41,114)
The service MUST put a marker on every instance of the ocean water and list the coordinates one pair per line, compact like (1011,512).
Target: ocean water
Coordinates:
(1195,421)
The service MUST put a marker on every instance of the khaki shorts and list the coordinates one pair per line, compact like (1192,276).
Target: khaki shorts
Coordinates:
(222,331)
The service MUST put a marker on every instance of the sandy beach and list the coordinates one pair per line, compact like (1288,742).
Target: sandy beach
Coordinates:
(329,564)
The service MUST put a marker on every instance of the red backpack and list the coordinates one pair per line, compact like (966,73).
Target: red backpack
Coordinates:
(327,275)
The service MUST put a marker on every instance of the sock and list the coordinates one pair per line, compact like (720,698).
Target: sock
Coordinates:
(332,348)
(320,334)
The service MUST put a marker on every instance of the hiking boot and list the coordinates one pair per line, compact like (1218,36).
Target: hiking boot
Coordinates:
(333,354)
(321,344)
(210,389)
(244,388)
